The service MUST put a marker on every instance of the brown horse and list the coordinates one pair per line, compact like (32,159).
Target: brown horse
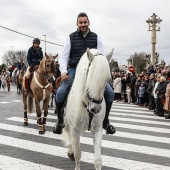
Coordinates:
(40,90)
(19,81)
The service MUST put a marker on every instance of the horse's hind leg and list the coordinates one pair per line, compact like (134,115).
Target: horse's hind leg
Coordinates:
(68,140)
(25,110)
(97,139)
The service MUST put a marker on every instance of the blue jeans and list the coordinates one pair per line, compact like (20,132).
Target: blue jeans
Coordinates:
(63,88)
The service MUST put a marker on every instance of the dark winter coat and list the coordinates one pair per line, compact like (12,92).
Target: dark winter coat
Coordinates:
(151,85)
(34,56)
(161,89)
(137,85)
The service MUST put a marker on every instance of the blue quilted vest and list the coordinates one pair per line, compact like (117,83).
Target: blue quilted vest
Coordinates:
(79,45)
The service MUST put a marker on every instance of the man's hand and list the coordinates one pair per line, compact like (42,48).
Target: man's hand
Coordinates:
(64,76)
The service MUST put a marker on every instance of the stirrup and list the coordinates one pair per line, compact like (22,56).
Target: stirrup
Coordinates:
(110,129)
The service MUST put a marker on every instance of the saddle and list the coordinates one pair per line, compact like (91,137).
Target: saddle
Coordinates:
(32,69)
(57,84)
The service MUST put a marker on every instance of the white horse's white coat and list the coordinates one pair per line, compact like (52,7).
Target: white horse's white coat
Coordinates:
(91,78)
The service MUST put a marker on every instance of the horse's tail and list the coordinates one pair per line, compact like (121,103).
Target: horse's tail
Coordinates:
(30,104)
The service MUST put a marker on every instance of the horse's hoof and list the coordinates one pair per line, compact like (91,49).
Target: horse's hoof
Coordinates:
(71,156)
(25,123)
(41,132)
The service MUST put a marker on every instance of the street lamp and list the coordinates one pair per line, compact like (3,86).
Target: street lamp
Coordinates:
(153,26)
(45,42)
(12,48)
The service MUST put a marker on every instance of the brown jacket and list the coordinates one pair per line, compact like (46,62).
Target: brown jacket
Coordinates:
(167,97)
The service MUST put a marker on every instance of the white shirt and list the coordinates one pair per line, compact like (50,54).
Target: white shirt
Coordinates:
(63,59)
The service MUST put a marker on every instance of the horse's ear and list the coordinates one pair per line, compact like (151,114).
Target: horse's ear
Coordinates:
(90,55)
(110,55)
(46,55)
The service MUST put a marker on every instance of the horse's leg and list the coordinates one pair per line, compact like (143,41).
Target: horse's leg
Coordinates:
(25,110)
(45,103)
(52,97)
(19,88)
(77,151)
(97,139)
(39,119)
(68,140)
(8,87)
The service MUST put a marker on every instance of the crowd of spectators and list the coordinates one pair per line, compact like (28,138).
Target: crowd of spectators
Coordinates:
(149,89)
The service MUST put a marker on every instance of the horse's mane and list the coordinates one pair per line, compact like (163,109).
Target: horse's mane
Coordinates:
(98,73)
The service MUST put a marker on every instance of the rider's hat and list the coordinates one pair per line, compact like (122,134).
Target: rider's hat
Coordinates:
(36,40)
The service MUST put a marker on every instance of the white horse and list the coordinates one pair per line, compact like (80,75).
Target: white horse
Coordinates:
(86,98)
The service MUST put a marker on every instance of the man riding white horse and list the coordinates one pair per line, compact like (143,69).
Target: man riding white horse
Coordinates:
(76,45)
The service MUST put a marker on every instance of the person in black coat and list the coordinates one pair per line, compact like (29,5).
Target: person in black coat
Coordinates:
(124,82)
(150,88)
(160,91)
(137,85)
(34,56)
(132,85)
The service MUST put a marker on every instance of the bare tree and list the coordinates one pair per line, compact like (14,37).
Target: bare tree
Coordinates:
(11,58)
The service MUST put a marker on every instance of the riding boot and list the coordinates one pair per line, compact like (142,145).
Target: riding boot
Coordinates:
(60,112)
(26,86)
(106,125)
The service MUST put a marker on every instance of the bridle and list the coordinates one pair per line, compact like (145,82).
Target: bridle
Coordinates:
(91,114)
(46,72)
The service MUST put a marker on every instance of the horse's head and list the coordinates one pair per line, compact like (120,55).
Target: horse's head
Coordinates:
(48,65)
(97,75)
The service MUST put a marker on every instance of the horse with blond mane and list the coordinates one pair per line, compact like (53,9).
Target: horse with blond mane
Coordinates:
(85,109)
(40,90)
(19,81)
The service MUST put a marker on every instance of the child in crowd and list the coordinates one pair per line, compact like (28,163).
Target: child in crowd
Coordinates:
(141,94)
(128,92)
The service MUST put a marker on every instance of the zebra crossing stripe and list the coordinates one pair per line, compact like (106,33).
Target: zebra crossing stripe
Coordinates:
(108,161)
(130,111)
(124,146)
(132,108)
(152,116)
(56,151)
(139,121)
(17,164)
(122,125)
(50,135)
(124,118)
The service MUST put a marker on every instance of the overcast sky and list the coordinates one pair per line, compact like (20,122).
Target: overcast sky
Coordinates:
(120,24)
